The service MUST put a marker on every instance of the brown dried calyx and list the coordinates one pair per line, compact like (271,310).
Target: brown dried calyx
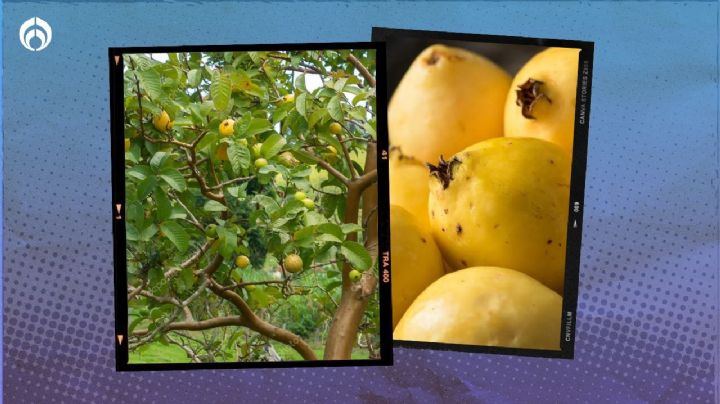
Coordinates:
(444,170)
(528,94)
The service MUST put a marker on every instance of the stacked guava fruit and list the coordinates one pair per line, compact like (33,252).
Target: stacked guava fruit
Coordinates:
(479,194)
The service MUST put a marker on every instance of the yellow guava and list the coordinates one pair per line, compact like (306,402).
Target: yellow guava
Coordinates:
(242,261)
(485,306)
(162,122)
(448,99)
(504,202)
(409,185)
(293,263)
(541,100)
(226,127)
(416,261)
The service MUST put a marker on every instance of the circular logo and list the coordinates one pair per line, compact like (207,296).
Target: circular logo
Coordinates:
(35,34)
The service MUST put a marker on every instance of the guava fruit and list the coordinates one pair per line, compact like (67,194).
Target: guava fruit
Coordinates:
(335,128)
(416,260)
(260,163)
(293,263)
(484,306)
(162,122)
(409,180)
(309,203)
(226,127)
(503,202)
(541,100)
(448,99)
(354,275)
(300,195)
(242,261)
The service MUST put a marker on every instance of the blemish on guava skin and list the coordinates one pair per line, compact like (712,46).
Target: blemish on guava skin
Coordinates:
(423,239)
(458,229)
(432,58)
(552,161)
(528,94)
(549,241)
(446,211)
(496,226)
(432,212)
(443,229)
(463,262)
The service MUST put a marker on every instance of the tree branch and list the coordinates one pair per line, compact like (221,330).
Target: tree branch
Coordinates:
(255,323)
(324,164)
(232,181)
(346,152)
(362,69)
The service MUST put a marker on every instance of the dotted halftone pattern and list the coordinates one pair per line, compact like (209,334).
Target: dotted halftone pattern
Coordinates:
(647,316)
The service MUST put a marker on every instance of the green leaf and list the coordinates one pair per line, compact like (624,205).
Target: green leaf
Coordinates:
(163,206)
(140,172)
(305,233)
(155,275)
(257,126)
(334,108)
(186,277)
(359,113)
(214,206)
(312,218)
(228,242)
(146,187)
(272,145)
(177,213)
(157,159)
(329,232)
(301,104)
(300,82)
(340,84)
(239,157)
(332,285)
(194,77)
(269,204)
(131,232)
(356,254)
(281,112)
(150,82)
(360,97)
(176,234)
(369,127)
(147,233)
(173,178)
(350,227)
(317,116)
(220,88)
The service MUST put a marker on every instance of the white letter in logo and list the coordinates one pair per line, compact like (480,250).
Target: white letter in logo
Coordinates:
(38,28)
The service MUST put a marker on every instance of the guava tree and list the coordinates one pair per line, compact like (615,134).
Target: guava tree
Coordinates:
(251,202)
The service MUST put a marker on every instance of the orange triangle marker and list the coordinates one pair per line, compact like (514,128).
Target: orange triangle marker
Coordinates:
(117,60)
(118,206)
(120,339)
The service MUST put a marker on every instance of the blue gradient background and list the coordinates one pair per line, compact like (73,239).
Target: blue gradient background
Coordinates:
(648,309)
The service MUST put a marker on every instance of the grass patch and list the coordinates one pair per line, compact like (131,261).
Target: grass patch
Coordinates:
(156,352)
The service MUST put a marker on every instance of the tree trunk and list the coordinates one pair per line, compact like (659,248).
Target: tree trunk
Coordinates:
(355,295)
